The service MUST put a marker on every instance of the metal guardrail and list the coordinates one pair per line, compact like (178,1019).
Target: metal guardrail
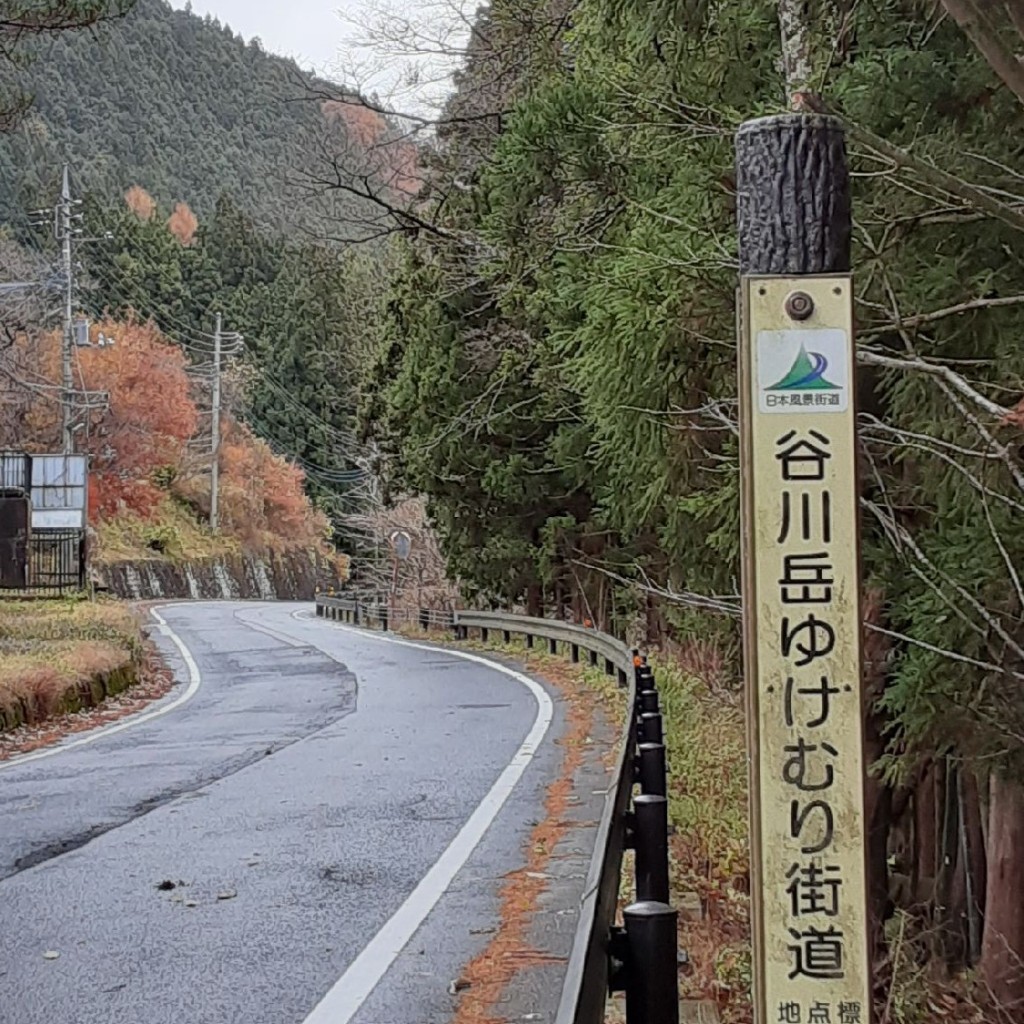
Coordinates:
(639,958)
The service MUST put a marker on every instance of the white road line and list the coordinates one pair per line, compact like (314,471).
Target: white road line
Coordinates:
(194,682)
(351,990)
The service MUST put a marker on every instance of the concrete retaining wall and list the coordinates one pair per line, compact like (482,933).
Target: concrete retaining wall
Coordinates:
(292,576)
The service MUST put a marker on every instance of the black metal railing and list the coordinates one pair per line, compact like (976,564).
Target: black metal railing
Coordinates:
(56,562)
(638,957)
(15,473)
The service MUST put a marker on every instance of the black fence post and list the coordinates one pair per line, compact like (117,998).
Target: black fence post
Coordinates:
(529,640)
(645,677)
(649,702)
(484,633)
(574,653)
(652,981)
(384,619)
(593,658)
(651,770)
(506,636)
(424,619)
(650,816)
(651,727)
(552,646)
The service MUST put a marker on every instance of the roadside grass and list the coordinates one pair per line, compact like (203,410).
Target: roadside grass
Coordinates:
(705,741)
(53,651)
(172,533)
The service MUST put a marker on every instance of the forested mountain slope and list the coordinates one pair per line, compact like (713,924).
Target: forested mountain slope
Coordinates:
(193,151)
(177,104)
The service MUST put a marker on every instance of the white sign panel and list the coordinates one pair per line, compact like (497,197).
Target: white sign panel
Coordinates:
(802,659)
(803,371)
(59,492)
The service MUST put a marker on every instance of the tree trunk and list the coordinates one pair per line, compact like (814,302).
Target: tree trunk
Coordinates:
(534,600)
(1002,950)
(977,27)
(652,631)
(974,843)
(926,836)
(951,887)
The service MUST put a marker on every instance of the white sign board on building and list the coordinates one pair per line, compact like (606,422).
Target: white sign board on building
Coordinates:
(60,492)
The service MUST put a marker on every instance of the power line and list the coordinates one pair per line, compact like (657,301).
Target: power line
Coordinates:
(191,340)
(275,433)
(346,437)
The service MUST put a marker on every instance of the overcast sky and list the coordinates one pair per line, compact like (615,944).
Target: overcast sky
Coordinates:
(330,37)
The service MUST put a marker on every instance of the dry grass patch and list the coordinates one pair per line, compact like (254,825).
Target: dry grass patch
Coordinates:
(53,652)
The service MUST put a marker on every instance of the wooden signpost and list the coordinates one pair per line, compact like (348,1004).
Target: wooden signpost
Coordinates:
(801,585)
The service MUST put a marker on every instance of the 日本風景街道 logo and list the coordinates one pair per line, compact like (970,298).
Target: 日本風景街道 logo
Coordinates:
(802,371)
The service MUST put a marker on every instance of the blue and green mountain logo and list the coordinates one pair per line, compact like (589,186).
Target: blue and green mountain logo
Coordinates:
(806,374)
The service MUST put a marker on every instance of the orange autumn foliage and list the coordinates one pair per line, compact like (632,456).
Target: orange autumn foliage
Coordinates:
(262,501)
(150,417)
(395,163)
(139,443)
(140,202)
(365,126)
(183,224)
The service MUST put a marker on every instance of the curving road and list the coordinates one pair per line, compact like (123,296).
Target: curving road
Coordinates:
(318,796)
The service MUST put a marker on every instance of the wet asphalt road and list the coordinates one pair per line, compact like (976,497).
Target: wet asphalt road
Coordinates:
(313,779)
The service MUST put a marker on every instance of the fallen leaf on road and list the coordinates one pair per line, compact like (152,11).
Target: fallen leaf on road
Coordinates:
(458,985)
(166,885)
(228,894)
(51,954)
(191,903)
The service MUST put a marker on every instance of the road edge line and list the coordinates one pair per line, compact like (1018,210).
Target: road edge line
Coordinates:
(348,994)
(195,681)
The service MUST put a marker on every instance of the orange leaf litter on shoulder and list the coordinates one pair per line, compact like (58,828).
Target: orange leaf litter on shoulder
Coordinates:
(509,953)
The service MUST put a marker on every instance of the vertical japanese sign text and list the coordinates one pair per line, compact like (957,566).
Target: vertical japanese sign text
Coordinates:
(803,664)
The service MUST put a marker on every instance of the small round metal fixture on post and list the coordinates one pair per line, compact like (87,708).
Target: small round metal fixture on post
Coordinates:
(799,305)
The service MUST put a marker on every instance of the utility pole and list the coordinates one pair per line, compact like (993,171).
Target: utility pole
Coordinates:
(215,429)
(63,229)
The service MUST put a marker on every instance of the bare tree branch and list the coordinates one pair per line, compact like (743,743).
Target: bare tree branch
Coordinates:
(976,26)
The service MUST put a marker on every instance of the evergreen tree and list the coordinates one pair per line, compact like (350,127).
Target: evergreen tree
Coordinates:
(585,299)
